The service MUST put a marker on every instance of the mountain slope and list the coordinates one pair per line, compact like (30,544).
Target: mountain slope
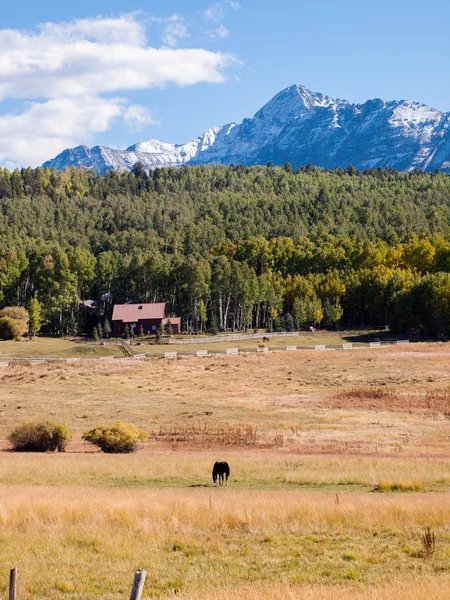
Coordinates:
(300,127)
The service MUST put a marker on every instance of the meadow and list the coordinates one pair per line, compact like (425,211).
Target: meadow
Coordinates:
(340,462)
(45,347)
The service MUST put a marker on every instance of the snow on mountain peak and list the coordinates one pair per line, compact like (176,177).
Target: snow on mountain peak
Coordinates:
(299,126)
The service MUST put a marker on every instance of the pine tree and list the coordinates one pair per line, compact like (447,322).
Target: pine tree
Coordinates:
(107,328)
(288,322)
(73,325)
(95,334)
(99,331)
(159,333)
(141,332)
(35,318)
(169,328)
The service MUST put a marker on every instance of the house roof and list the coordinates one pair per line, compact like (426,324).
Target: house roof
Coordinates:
(131,313)
(172,321)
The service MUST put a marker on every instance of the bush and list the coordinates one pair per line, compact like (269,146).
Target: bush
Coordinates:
(40,437)
(15,312)
(13,322)
(12,329)
(121,438)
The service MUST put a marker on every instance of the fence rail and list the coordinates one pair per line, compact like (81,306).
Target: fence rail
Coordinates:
(230,337)
(6,362)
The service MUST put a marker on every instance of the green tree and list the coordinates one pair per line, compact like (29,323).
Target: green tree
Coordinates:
(168,328)
(315,311)
(332,312)
(107,328)
(300,311)
(202,314)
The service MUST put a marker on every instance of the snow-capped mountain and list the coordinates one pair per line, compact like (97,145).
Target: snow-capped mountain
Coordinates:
(300,127)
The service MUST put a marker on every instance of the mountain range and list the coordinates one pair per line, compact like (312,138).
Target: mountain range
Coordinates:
(300,127)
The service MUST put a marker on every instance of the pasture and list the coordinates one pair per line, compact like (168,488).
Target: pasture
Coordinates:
(44,347)
(340,461)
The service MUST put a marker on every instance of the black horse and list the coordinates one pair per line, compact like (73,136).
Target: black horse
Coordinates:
(220,472)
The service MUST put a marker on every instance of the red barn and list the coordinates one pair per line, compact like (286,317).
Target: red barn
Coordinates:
(147,316)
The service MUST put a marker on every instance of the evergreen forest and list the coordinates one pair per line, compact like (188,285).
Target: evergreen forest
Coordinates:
(229,247)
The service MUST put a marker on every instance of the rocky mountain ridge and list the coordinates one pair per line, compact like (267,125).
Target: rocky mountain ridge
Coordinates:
(300,127)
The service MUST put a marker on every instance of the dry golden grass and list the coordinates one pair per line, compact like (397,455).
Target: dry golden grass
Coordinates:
(376,398)
(404,588)
(250,469)
(300,519)
(289,394)
(87,543)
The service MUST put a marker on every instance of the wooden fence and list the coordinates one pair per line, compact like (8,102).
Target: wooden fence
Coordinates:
(136,590)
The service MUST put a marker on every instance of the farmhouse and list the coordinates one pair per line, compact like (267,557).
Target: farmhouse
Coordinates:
(147,316)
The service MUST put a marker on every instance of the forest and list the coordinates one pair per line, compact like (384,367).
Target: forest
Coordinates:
(229,247)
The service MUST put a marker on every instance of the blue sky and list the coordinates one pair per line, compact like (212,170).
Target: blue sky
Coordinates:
(116,73)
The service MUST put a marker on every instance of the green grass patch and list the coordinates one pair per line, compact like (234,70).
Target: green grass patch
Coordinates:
(399,486)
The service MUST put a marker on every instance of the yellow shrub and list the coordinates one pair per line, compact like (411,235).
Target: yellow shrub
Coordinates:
(121,438)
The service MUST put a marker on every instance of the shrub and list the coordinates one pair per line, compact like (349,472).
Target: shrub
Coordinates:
(40,437)
(12,329)
(121,438)
(15,312)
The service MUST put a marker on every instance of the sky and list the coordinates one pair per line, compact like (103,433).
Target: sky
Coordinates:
(115,73)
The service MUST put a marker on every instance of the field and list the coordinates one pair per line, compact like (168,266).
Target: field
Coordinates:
(54,348)
(340,462)
(42,347)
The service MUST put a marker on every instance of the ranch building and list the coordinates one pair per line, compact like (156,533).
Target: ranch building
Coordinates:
(149,316)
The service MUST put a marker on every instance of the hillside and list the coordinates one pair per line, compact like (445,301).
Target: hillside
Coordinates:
(230,247)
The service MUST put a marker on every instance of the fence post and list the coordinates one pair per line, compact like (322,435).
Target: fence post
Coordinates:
(138,585)
(12,583)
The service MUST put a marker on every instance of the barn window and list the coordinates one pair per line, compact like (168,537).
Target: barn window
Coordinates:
(140,307)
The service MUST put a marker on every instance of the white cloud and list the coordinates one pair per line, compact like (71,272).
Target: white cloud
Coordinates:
(174,29)
(217,11)
(136,117)
(125,29)
(173,32)
(220,33)
(45,128)
(66,70)
(83,58)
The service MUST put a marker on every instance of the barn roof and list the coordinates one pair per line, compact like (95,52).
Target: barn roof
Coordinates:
(172,321)
(131,313)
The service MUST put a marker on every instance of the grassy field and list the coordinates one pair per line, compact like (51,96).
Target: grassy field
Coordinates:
(54,348)
(340,461)
(42,347)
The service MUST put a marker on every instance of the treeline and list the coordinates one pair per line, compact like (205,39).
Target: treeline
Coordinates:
(229,247)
